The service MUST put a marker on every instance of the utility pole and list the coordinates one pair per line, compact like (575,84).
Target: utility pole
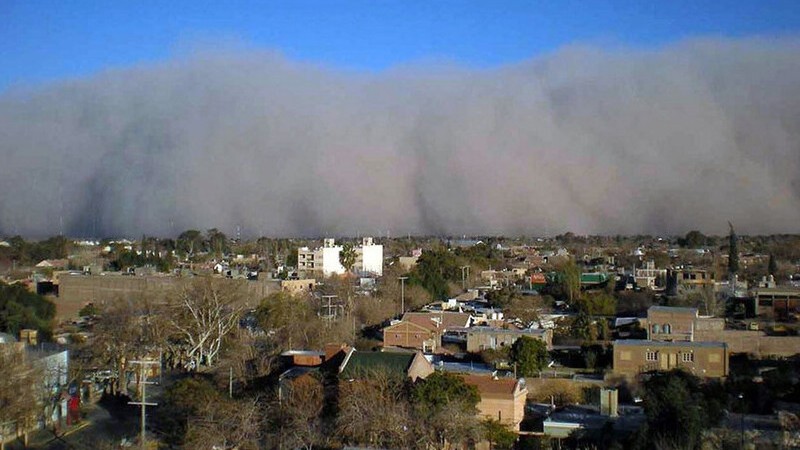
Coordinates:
(463,278)
(143,398)
(402,295)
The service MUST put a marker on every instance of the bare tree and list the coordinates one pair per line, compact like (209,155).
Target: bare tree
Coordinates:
(296,419)
(203,312)
(374,411)
(20,392)
(225,424)
(127,329)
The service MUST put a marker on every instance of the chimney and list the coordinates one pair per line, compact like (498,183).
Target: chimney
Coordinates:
(29,336)
(332,350)
(608,402)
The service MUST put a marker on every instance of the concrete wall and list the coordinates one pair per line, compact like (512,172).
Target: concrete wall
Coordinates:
(295,287)
(75,291)
(480,340)
(756,343)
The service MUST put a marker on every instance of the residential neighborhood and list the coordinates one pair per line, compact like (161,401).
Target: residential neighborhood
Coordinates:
(542,352)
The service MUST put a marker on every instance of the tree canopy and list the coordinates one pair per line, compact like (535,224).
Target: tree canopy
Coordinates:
(20,308)
(435,268)
(678,409)
(693,239)
(530,354)
(442,388)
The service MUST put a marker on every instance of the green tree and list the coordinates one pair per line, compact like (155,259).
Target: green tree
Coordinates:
(503,297)
(530,355)
(347,256)
(581,327)
(89,310)
(217,242)
(445,408)
(693,239)
(598,304)
(20,308)
(435,268)
(190,241)
(772,267)
(570,280)
(183,400)
(733,252)
(678,410)
(498,435)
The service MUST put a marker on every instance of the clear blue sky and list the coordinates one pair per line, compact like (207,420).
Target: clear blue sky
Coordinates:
(48,40)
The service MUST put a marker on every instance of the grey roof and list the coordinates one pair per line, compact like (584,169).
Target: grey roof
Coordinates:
(676,309)
(649,343)
(496,330)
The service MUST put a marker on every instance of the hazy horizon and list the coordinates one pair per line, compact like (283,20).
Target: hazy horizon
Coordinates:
(583,139)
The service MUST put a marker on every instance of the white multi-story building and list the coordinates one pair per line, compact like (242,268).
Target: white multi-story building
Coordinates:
(325,260)
(369,258)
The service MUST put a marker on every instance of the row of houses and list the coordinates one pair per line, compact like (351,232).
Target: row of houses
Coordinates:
(424,331)
(502,399)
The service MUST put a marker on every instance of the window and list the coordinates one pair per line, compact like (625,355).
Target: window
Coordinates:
(651,356)
(688,357)
(656,329)
(667,328)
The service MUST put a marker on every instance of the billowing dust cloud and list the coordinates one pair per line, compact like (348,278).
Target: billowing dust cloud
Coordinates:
(586,140)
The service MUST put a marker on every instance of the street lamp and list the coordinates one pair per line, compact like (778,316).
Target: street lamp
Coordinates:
(741,415)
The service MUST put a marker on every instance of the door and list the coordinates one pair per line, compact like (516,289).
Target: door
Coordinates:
(662,361)
(673,360)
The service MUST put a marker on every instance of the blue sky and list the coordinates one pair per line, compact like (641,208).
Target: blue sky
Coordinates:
(42,41)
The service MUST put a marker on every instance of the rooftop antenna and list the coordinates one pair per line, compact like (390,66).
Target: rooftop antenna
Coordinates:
(60,210)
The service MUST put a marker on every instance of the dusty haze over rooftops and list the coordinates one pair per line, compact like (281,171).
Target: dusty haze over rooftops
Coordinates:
(583,139)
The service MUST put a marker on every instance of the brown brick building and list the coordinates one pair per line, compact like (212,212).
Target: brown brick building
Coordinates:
(501,399)
(704,359)
(422,330)
(665,323)
(410,335)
